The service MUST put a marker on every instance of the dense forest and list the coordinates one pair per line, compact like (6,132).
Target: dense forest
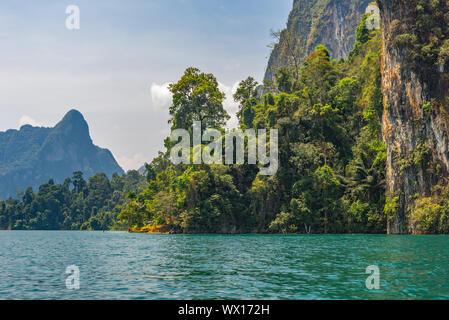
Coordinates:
(332,162)
(331,177)
(76,204)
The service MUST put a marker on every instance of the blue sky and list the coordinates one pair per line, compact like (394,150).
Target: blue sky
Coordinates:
(116,67)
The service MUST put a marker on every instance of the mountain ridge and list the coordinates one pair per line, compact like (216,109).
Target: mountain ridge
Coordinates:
(32,155)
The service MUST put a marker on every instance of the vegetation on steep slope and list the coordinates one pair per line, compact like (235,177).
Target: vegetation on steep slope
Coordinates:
(310,23)
(415,123)
(331,177)
(332,160)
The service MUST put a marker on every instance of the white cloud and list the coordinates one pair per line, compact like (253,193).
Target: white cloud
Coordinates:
(161,96)
(28,120)
(132,163)
(229,104)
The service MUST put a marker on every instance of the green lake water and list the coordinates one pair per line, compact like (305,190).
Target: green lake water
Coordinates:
(115,265)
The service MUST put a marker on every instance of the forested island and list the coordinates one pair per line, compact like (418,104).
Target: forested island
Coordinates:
(360,150)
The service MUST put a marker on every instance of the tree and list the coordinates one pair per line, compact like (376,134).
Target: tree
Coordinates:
(317,76)
(150,173)
(246,95)
(284,80)
(132,214)
(78,182)
(196,97)
(246,90)
(292,49)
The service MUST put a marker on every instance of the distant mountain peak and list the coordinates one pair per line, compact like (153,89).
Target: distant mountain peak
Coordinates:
(26,127)
(73,116)
(74,127)
(33,155)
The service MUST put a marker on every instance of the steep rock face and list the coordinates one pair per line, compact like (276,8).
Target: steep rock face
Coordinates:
(415,87)
(328,22)
(32,155)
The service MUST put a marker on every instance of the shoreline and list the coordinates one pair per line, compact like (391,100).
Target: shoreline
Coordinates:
(152,231)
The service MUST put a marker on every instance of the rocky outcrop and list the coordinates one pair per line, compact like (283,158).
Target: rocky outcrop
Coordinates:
(415,86)
(330,22)
(33,155)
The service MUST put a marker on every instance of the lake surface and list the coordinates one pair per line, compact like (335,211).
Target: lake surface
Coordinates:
(115,265)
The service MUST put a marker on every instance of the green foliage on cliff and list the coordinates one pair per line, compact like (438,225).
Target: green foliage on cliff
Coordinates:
(331,176)
(425,40)
(431,214)
(310,23)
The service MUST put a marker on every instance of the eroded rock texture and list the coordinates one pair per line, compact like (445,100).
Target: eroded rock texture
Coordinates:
(331,23)
(416,106)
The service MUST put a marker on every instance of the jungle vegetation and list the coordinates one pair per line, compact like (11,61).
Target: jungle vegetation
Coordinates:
(331,177)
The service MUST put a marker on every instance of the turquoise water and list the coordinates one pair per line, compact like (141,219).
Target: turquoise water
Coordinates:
(116,265)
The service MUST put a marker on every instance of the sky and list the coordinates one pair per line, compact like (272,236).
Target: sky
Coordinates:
(115,69)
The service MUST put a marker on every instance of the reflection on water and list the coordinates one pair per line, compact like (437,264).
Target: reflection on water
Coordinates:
(116,265)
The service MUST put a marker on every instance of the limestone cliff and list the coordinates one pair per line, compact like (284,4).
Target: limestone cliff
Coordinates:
(415,87)
(328,22)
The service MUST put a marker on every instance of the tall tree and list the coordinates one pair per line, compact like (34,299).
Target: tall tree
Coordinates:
(196,97)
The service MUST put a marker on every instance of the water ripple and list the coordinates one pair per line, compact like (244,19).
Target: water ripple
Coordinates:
(116,265)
